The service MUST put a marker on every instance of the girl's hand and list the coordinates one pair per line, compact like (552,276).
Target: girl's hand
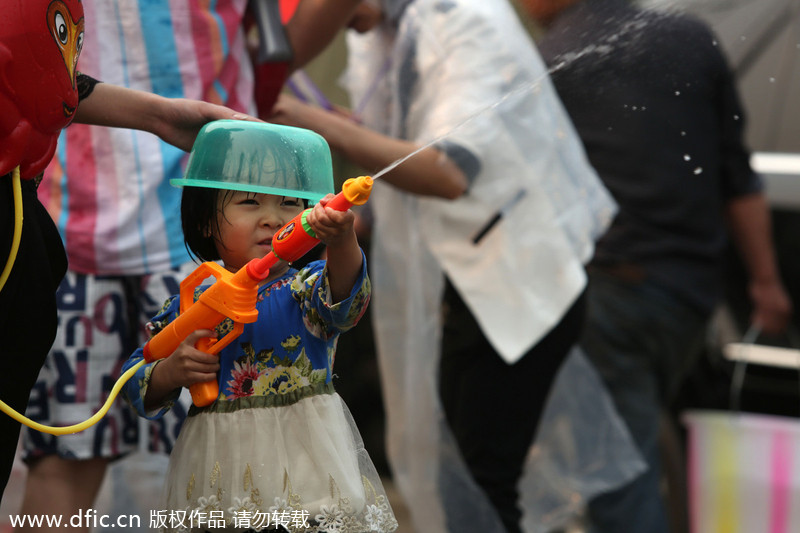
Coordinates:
(186,365)
(335,229)
(332,227)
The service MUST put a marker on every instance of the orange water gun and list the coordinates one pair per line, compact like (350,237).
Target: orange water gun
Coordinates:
(233,295)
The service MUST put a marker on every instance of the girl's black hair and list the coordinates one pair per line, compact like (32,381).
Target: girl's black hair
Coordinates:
(200,222)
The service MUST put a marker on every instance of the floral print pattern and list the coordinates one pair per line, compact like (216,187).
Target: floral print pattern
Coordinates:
(254,375)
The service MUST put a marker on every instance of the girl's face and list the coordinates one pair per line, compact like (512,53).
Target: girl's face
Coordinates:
(247,221)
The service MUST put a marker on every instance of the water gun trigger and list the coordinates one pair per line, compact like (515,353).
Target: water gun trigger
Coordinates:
(225,298)
(213,345)
(206,344)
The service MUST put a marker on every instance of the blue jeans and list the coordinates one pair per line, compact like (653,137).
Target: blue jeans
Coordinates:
(642,339)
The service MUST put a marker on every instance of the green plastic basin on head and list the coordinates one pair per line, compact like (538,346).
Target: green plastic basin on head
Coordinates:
(260,157)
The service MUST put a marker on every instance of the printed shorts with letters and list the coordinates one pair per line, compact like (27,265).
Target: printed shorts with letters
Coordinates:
(101,321)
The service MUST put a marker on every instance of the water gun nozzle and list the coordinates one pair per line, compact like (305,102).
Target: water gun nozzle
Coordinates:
(357,190)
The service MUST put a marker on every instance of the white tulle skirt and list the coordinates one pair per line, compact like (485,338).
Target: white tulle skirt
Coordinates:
(302,466)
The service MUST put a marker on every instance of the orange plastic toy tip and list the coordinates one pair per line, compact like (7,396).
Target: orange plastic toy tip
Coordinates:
(357,190)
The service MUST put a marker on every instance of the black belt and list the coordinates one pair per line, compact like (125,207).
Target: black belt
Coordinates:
(630,272)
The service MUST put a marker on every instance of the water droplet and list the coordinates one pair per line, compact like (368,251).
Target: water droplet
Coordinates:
(743,38)
(677,93)
(687,157)
(683,134)
(698,170)
(735,117)
(714,42)
(771,80)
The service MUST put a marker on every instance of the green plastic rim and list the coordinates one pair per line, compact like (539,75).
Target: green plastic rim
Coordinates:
(260,157)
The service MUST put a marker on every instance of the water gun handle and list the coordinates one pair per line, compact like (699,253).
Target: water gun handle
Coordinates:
(206,392)
(231,296)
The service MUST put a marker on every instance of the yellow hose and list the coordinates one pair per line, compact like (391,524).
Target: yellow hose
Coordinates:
(66,430)
(12,255)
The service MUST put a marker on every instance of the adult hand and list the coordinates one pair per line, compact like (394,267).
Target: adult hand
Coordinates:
(291,111)
(772,307)
(183,118)
(175,120)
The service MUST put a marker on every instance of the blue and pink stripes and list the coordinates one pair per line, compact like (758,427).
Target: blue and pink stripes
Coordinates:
(108,190)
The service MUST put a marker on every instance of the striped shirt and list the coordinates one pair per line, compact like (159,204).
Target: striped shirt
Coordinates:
(108,189)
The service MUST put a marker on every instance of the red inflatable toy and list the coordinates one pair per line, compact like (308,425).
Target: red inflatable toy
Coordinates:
(40,41)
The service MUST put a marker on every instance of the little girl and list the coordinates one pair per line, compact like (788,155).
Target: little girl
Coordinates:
(278,449)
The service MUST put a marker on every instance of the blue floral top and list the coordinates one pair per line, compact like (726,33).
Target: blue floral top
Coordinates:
(286,355)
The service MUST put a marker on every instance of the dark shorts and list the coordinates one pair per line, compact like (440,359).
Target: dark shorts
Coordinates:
(101,322)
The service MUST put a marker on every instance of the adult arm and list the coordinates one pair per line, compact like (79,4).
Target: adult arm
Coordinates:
(750,225)
(748,215)
(175,120)
(314,25)
(429,172)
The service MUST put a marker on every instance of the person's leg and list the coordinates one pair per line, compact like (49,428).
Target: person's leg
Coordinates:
(61,487)
(639,338)
(493,408)
(27,307)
